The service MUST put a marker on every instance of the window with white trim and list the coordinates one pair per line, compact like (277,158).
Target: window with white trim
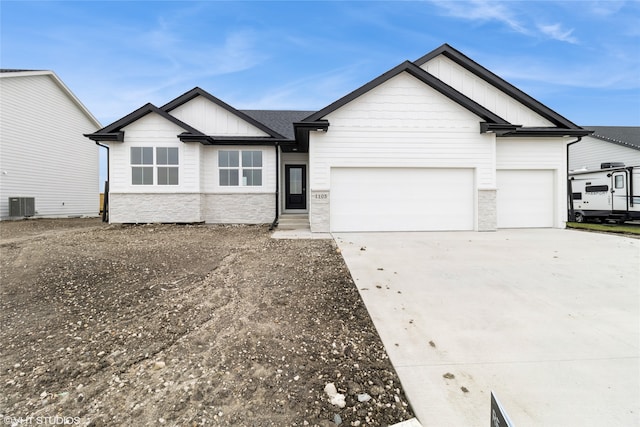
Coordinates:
(240,168)
(165,156)
(142,175)
(164,169)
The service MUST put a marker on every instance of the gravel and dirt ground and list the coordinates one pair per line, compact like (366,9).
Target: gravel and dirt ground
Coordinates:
(184,325)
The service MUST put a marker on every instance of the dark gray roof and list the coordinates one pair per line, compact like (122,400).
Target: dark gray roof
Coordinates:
(279,120)
(628,136)
(13,70)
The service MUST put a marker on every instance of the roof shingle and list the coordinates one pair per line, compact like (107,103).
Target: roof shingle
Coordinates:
(628,136)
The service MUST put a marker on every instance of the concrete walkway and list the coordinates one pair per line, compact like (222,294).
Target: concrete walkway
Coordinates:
(547,319)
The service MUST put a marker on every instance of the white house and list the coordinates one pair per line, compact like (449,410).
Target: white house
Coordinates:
(441,143)
(47,169)
(607,144)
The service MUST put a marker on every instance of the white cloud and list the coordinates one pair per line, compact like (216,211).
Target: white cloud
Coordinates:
(605,7)
(483,11)
(319,89)
(556,32)
(517,16)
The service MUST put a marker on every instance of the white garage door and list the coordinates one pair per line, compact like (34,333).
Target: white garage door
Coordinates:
(525,198)
(401,199)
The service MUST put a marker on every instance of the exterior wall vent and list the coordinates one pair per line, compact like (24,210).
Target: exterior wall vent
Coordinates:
(611,165)
(22,206)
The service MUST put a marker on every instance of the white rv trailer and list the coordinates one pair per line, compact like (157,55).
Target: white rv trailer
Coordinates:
(611,193)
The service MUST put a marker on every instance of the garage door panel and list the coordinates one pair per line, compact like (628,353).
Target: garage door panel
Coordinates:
(525,198)
(401,199)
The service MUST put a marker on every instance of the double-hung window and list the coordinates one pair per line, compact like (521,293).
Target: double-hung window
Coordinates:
(166,156)
(240,168)
(252,168)
(229,165)
(144,169)
(142,175)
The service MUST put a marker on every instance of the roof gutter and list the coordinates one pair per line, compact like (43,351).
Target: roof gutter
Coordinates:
(106,136)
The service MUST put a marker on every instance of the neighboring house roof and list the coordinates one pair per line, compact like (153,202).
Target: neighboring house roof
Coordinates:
(114,131)
(16,73)
(627,136)
(279,120)
(493,123)
(13,70)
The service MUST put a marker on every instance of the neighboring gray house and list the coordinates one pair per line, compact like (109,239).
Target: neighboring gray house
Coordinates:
(607,144)
(47,169)
(440,143)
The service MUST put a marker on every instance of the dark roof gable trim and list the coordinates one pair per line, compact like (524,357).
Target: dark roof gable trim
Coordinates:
(421,75)
(196,91)
(114,131)
(477,69)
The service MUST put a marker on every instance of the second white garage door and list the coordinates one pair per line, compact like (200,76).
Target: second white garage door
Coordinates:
(525,198)
(401,199)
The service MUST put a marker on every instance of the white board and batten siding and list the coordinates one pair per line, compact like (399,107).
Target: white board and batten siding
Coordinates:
(483,93)
(531,182)
(405,134)
(43,153)
(212,119)
(591,152)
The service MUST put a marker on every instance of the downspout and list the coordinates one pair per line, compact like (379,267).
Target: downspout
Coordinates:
(105,203)
(569,189)
(274,224)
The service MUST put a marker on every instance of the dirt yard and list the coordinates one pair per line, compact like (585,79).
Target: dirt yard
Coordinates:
(184,325)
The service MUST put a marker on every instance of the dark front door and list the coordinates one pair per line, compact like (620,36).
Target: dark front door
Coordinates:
(295,187)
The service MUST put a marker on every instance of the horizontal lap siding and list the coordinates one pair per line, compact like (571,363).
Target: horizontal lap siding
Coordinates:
(154,131)
(401,123)
(43,153)
(591,152)
(531,153)
(483,93)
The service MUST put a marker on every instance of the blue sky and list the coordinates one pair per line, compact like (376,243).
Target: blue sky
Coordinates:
(581,58)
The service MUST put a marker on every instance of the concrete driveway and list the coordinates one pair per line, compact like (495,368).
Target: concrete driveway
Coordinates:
(549,320)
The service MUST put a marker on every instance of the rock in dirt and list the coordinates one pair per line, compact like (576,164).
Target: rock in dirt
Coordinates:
(364,397)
